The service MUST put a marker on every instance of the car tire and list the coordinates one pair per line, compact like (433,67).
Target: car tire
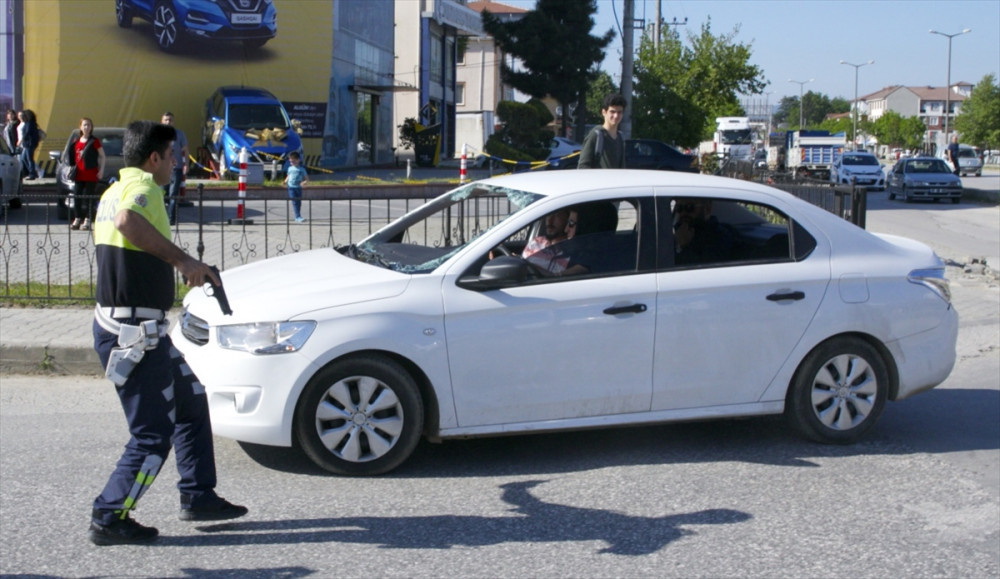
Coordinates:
(359,416)
(892,195)
(838,391)
(123,14)
(166,29)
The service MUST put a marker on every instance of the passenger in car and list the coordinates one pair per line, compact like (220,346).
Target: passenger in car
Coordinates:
(699,238)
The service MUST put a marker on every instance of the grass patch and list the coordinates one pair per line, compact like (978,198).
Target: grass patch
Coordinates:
(37,294)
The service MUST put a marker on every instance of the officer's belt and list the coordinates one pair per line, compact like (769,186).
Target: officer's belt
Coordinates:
(108,318)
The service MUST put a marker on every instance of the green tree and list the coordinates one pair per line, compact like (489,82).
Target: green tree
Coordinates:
(680,90)
(522,136)
(979,121)
(601,85)
(894,130)
(554,45)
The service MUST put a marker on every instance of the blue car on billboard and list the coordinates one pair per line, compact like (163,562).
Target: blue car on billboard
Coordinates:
(239,117)
(253,22)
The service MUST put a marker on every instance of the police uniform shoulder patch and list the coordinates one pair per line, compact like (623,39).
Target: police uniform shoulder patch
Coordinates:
(140,200)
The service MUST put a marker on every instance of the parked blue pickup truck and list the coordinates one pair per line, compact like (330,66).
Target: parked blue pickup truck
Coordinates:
(252,118)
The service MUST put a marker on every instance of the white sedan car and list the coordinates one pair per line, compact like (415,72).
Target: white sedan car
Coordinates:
(667,296)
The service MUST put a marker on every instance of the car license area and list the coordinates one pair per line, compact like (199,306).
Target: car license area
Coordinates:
(246,18)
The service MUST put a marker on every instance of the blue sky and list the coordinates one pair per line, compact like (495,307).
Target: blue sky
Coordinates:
(807,39)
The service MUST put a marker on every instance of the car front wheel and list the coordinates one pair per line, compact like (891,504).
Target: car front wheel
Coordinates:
(123,14)
(166,27)
(838,391)
(360,416)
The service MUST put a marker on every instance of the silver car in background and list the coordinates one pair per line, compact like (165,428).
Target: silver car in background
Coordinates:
(914,178)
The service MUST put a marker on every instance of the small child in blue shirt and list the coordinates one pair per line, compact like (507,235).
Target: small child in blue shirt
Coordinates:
(294,179)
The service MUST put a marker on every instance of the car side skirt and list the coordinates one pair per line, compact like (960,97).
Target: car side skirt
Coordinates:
(630,419)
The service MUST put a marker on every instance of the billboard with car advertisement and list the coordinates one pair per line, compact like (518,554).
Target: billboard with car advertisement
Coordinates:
(120,60)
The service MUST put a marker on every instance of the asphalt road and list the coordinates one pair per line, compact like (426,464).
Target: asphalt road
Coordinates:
(918,497)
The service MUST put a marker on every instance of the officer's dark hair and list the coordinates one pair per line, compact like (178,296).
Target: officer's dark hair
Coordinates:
(612,100)
(143,138)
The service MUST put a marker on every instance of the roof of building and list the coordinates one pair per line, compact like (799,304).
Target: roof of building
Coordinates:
(926,93)
(494,7)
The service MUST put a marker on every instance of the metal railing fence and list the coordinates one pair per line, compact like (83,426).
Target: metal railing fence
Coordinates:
(39,251)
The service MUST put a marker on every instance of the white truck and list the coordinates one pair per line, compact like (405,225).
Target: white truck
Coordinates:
(733,137)
(812,153)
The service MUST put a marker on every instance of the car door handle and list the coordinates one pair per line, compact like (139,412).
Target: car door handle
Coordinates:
(777,297)
(633,309)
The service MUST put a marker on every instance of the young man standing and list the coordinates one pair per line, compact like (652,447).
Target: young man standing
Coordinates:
(604,148)
(165,405)
(180,152)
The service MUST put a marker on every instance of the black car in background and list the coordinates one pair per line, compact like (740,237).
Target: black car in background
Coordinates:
(652,154)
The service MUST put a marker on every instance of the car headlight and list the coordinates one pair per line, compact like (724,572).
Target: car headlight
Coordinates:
(934,279)
(266,337)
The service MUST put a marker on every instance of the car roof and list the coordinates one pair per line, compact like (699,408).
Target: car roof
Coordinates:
(562,183)
(244,91)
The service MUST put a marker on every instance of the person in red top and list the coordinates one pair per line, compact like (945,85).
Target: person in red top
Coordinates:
(89,158)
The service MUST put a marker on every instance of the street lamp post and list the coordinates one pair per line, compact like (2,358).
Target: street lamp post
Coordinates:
(856,67)
(947,97)
(801,83)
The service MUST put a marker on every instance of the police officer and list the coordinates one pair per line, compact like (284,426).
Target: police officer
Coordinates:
(163,402)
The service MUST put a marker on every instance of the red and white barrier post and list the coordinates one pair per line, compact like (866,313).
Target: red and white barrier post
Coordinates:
(461,167)
(241,189)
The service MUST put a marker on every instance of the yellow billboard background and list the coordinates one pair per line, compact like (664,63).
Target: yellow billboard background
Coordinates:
(79,63)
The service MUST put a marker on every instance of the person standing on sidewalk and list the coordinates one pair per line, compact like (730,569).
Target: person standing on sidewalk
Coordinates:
(28,137)
(87,155)
(163,401)
(10,131)
(603,147)
(180,152)
(294,179)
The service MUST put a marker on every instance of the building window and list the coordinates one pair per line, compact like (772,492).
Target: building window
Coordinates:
(460,94)
(933,121)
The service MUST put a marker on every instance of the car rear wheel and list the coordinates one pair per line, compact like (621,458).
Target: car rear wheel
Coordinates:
(123,14)
(838,391)
(165,27)
(360,416)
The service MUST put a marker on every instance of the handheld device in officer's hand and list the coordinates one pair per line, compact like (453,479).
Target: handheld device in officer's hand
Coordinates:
(218,292)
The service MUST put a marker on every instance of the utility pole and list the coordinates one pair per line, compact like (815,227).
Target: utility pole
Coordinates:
(627,50)
(656,27)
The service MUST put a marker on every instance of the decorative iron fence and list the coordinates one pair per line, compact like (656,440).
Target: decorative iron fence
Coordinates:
(39,252)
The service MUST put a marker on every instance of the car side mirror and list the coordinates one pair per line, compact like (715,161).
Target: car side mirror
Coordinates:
(502,272)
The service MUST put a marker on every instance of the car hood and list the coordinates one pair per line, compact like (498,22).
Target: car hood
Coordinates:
(292,286)
(861,169)
(932,178)
(275,142)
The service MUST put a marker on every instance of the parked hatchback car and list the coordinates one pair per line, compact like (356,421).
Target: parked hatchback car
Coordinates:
(916,178)
(652,154)
(863,168)
(252,22)
(111,142)
(239,117)
(560,149)
(436,325)
(968,160)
